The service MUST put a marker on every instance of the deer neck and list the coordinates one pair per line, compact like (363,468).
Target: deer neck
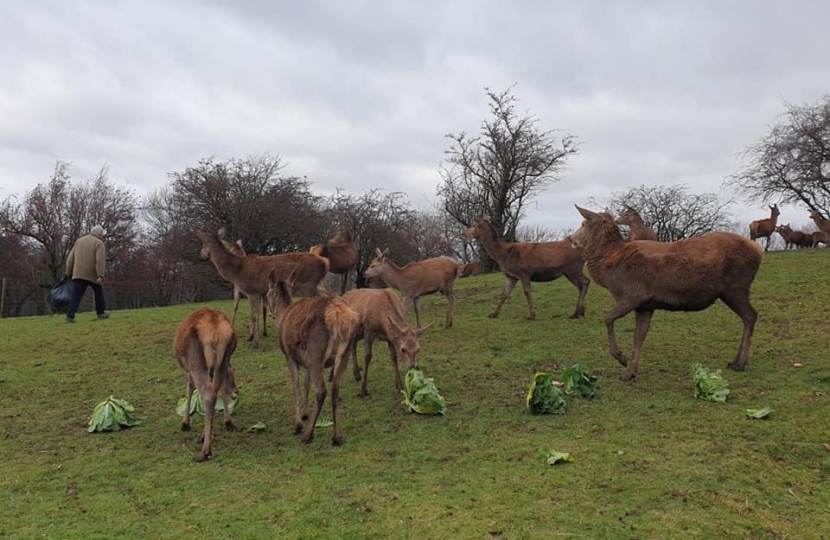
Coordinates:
(392,274)
(228,266)
(492,243)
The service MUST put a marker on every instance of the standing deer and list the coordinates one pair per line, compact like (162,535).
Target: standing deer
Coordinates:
(820,237)
(823,224)
(341,251)
(382,317)
(236,248)
(637,229)
(794,239)
(688,275)
(251,273)
(765,227)
(417,279)
(527,262)
(314,333)
(203,345)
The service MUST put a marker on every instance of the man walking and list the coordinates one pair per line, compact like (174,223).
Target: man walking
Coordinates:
(86,265)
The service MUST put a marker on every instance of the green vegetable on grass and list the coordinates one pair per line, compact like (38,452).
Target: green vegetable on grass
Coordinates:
(197,404)
(543,397)
(420,394)
(111,414)
(758,413)
(577,381)
(553,457)
(709,385)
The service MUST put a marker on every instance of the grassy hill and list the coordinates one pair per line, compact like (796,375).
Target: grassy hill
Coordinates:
(650,461)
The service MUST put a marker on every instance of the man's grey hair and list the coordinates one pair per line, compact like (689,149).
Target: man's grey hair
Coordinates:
(98,231)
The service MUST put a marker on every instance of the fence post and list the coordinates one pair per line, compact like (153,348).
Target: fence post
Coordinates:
(2,297)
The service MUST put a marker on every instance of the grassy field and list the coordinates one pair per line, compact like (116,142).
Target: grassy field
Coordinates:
(650,461)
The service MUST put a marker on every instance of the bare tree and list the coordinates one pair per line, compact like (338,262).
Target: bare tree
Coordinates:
(540,233)
(791,164)
(674,213)
(500,170)
(53,215)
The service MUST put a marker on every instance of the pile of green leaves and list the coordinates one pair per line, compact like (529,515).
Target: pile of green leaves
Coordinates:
(579,382)
(111,414)
(421,395)
(197,404)
(709,385)
(757,414)
(543,397)
(553,457)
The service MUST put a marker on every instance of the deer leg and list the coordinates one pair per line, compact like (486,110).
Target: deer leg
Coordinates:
(531,316)
(293,373)
(619,310)
(188,397)
(340,362)
(509,283)
(393,354)
(580,282)
(450,307)
(355,365)
(264,316)
(236,294)
(642,324)
(255,301)
(315,373)
(417,303)
(209,400)
(368,343)
(740,304)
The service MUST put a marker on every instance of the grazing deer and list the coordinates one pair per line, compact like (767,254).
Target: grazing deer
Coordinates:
(314,333)
(236,249)
(527,262)
(203,346)
(794,239)
(469,269)
(417,279)
(765,227)
(820,237)
(251,273)
(823,224)
(382,317)
(689,275)
(637,229)
(341,251)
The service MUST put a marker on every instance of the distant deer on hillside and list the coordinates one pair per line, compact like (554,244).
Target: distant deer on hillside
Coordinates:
(763,228)
(822,224)
(688,275)
(526,262)
(341,251)
(637,229)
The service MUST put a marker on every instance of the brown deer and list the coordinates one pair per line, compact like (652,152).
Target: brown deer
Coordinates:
(528,262)
(823,224)
(314,333)
(820,237)
(236,249)
(417,279)
(637,229)
(251,273)
(203,345)
(794,239)
(765,227)
(382,317)
(469,269)
(689,275)
(341,251)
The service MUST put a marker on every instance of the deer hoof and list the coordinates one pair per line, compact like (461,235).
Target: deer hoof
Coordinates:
(493,315)
(736,366)
(298,429)
(620,357)
(185,427)
(202,457)
(336,441)
(629,377)
(307,439)
(229,426)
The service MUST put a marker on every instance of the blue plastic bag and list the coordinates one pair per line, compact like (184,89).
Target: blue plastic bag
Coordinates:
(62,293)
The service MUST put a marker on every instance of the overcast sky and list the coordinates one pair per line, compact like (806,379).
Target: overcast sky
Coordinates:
(359,95)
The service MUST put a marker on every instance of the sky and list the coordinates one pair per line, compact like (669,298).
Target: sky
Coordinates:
(356,95)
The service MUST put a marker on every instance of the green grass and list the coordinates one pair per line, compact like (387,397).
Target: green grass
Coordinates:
(650,461)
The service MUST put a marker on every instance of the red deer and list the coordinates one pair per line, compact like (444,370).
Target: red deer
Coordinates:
(823,224)
(341,251)
(637,229)
(314,333)
(688,275)
(794,239)
(417,279)
(203,346)
(251,273)
(527,262)
(236,249)
(765,227)
(469,269)
(382,317)
(820,237)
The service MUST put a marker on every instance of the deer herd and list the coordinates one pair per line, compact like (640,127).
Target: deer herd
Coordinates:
(321,330)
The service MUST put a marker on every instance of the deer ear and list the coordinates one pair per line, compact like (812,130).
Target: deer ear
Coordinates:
(385,253)
(420,331)
(378,252)
(239,243)
(587,214)
(486,216)
(221,233)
